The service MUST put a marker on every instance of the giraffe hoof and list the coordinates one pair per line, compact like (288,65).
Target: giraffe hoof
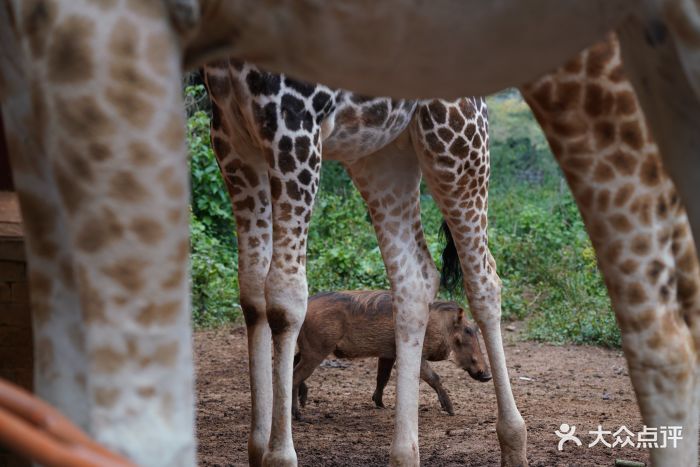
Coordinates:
(282,458)
(512,436)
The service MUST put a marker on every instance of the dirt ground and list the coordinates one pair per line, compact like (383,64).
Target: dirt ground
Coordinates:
(581,386)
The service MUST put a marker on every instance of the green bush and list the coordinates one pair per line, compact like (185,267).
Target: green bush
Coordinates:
(213,239)
(343,251)
(214,279)
(537,236)
(210,201)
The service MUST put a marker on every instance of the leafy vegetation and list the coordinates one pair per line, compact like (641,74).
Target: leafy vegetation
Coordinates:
(213,242)
(544,257)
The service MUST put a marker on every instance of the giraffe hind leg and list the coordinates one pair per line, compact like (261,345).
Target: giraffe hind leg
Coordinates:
(293,189)
(389,183)
(451,140)
(247,182)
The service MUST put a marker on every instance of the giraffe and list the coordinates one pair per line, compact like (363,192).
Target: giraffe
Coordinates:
(269,133)
(304,39)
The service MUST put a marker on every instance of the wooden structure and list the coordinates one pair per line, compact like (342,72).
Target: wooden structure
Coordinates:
(16,359)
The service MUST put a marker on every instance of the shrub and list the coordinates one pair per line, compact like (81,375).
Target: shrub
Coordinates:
(214,279)
(213,240)
(537,236)
(210,201)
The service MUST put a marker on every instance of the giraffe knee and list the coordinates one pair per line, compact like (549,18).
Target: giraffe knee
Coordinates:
(432,279)
(485,302)
(286,297)
(283,320)
(287,316)
(252,295)
(410,313)
(254,314)
(486,315)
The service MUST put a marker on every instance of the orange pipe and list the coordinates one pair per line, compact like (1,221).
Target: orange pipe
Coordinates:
(36,430)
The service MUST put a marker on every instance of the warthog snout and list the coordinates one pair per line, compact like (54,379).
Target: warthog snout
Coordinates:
(467,350)
(482,375)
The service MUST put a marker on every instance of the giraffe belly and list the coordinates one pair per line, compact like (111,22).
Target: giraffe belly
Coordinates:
(361,126)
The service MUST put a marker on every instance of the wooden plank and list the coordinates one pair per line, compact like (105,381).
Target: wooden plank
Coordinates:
(9,207)
(10,230)
(20,292)
(12,249)
(13,357)
(17,337)
(10,216)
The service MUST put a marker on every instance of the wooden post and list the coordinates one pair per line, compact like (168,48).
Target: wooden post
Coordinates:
(16,349)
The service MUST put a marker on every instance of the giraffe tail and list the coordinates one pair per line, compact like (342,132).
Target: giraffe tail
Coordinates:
(451,272)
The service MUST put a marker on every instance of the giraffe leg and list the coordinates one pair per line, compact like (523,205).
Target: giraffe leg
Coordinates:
(250,193)
(451,140)
(293,189)
(59,343)
(285,134)
(384,367)
(672,110)
(245,173)
(641,237)
(670,100)
(119,169)
(389,182)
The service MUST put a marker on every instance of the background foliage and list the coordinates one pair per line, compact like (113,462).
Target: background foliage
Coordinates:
(544,257)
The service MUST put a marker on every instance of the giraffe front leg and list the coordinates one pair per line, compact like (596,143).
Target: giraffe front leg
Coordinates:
(245,173)
(286,302)
(661,338)
(254,252)
(293,189)
(117,158)
(259,360)
(60,368)
(483,288)
(389,183)
(672,111)
(451,139)
(640,233)
(254,226)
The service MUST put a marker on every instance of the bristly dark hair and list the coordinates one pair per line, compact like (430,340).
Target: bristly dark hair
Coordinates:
(451,274)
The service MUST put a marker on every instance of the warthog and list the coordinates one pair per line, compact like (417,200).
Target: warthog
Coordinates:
(360,324)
